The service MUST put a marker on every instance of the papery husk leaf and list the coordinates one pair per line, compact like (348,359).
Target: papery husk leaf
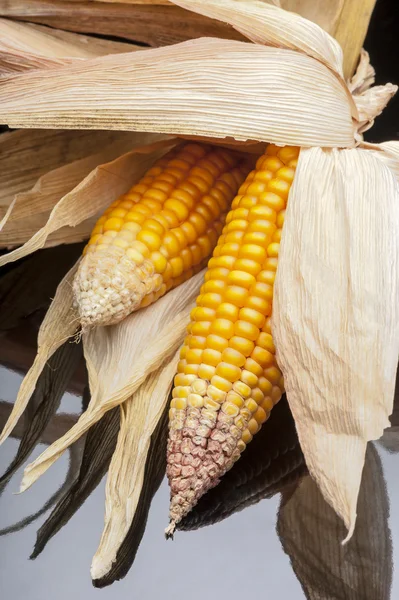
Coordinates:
(41,151)
(97,190)
(119,359)
(388,153)
(59,324)
(45,401)
(98,449)
(264,23)
(270,463)
(310,533)
(335,314)
(19,232)
(139,417)
(25,46)
(153,25)
(154,473)
(190,89)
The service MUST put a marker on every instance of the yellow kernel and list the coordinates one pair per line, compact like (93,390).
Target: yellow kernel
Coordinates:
(267,277)
(242,389)
(226,310)
(229,409)
(249,378)
(216,394)
(211,300)
(132,227)
(189,231)
(201,328)
(273,374)
(159,262)
(170,217)
(183,380)
(252,316)
(222,327)
(263,357)
(216,342)
(214,285)
(118,212)
(200,313)
(242,345)
(196,341)
(193,356)
(271,163)
(249,266)
(206,372)
(191,369)
(276,394)
(293,163)
(267,404)
(259,304)
(246,330)
(228,371)
(226,262)
(246,436)
(262,212)
(177,266)
(236,295)
(231,249)
(113,224)
(221,383)
(251,405)
(199,223)
(234,237)
(253,426)
(273,249)
(260,416)
(237,225)
(252,366)
(181,391)
(240,278)
(265,386)
(234,357)
(179,403)
(195,400)
(134,255)
(151,239)
(257,394)
(94,239)
(235,398)
(211,357)
(195,254)
(267,327)
(288,153)
(256,238)
(262,226)
(253,252)
(280,219)
(205,245)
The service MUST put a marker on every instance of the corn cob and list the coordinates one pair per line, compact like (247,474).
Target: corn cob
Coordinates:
(228,379)
(158,234)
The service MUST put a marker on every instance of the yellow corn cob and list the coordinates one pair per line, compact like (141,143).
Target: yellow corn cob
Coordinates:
(158,234)
(228,379)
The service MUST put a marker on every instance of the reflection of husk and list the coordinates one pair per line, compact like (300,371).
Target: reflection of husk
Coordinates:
(310,533)
(272,461)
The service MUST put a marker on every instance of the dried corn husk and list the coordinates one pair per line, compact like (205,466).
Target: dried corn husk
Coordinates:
(26,46)
(290,90)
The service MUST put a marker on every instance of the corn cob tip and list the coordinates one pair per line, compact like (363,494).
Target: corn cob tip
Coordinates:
(170,530)
(109,286)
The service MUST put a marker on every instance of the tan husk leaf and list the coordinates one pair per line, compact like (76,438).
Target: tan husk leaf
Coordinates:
(139,417)
(119,359)
(19,232)
(24,46)
(190,89)
(40,151)
(264,23)
(58,325)
(335,314)
(97,190)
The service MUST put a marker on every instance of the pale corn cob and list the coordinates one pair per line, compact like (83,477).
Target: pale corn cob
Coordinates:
(158,234)
(228,379)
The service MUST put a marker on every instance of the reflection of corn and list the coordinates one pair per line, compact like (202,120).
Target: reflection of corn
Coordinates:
(228,379)
(158,234)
